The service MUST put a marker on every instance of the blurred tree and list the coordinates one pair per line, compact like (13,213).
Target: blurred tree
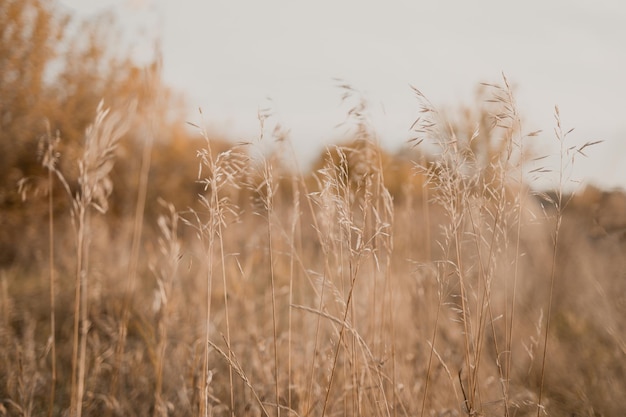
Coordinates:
(30,32)
(54,71)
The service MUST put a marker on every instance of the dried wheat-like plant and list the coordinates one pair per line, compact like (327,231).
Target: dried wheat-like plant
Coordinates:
(220,176)
(477,181)
(95,186)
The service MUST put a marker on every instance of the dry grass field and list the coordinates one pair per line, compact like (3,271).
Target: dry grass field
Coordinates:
(435,282)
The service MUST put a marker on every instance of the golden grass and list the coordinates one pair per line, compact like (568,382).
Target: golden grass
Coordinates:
(451,290)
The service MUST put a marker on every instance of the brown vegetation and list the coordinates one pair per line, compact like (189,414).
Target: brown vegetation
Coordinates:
(434,282)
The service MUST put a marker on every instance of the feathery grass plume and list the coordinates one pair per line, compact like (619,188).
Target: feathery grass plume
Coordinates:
(427,129)
(567,155)
(223,180)
(477,180)
(276,178)
(95,186)
(49,155)
(354,219)
(512,194)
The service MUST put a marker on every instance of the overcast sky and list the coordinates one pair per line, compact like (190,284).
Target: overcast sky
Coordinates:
(233,57)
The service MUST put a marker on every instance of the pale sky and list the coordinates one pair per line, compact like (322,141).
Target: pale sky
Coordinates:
(232,57)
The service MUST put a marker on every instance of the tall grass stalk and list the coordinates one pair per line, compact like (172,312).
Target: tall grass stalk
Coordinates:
(227,317)
(506,119)
(510,120)
(293,232)
(567,155)
(49,162)
(354,226)
(299,183)
(320,307)
(471,182)
(559,206)
(48,148)
(269,206)
(101,139)
(223,174)
(266,190)
(426,128)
